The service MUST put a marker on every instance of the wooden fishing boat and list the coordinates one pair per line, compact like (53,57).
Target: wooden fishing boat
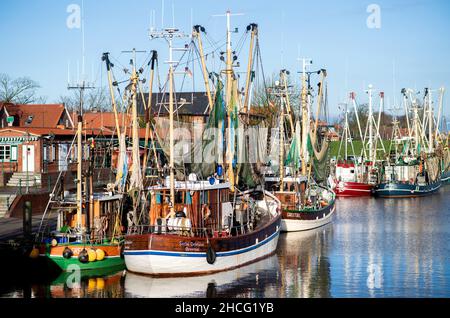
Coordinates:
(445,177)
(345,182)
(316,212)
(88,233)
(352,177)
(305,204)
(303,209)
(409,180)
(212,231)
(405,190)
(416,169)
(101,249)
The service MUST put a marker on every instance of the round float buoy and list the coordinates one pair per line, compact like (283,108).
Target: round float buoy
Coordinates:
(100,283)
(219,170)
(92,255)
(210,255)
(34,253)
(92,283)
(100,254)
(83,256)
(54,242)
(67,253)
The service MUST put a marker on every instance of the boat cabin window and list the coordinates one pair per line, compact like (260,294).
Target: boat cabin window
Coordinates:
(159,198)
(179,198)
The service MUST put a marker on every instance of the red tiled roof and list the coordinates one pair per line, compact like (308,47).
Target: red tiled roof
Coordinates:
(66,132)
(43,115)
(39,131)
(100,120)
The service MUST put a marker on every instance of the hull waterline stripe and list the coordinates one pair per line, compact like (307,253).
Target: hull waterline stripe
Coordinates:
(201,254)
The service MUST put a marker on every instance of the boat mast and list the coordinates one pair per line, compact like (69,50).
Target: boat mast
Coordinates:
(81,88)
(196,33)
(281,131)
(79,163)
(346,132)
(305,115)
(370,122)
(111,91)
(148,112)
(353,98)
(169,34)
(430,122)
(254,33)
(171,136)
(438,123)
(229,73)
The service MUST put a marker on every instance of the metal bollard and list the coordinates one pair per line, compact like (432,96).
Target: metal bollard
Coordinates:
(27,225)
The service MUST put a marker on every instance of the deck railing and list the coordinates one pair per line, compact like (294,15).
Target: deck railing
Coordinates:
(188,230)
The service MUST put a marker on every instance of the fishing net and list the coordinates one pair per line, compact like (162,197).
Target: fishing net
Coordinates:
(319,159)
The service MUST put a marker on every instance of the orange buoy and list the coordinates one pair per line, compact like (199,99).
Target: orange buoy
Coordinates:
(34,253)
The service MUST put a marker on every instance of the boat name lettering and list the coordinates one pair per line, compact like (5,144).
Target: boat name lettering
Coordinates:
(192,244)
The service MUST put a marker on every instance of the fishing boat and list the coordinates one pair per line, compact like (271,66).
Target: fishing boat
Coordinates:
(88,234)
(208,233)
(201,225)
(415,170)
(100,249)
(352,176)
(305,204)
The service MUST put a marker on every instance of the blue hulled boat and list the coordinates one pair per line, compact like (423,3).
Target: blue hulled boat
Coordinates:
(445,176)
(405,190)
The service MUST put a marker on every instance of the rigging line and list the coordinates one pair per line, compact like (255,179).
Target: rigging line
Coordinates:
(262,70)
(213,43)
(241,43)
(197,59)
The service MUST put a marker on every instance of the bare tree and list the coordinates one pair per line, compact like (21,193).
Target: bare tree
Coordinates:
(22,90)
(94,99)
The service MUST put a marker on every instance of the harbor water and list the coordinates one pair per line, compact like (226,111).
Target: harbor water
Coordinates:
(373,248)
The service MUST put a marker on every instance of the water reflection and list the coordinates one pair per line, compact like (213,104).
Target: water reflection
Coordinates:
(304,263)
(392,247)
(67,285)
(373,248)
(254,280)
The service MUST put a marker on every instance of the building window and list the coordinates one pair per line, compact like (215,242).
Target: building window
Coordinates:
(5,153)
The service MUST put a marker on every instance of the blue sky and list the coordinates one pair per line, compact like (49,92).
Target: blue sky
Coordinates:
(37,43)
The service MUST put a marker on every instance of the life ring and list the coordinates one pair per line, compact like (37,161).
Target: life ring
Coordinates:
(210,255)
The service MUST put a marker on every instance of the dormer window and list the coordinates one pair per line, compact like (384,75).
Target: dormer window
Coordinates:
(29,120)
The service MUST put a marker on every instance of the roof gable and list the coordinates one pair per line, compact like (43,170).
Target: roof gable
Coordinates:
(35,115)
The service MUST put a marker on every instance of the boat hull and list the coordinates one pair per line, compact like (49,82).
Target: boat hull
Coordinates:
(353,189)
(445,177)
(295,221)
(405,190)
(112,259)
(173,255)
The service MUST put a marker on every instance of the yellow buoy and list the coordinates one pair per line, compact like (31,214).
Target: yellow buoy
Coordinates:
(54,242)
(100,283)
(92,284)
(100,254)
(92,256)
(34,253)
